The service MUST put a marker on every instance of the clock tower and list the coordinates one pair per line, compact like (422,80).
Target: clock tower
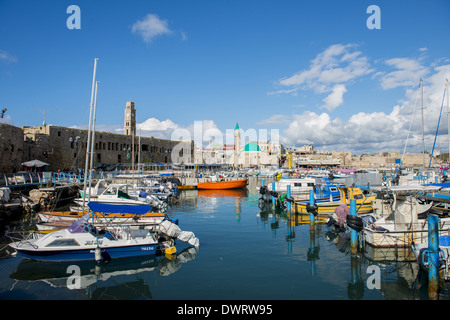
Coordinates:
(129,127)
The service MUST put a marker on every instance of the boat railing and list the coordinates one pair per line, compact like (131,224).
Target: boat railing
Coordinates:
(23,238)
(441,230)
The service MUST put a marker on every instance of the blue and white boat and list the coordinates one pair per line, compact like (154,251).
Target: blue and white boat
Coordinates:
(90,238)
(326,191)
(83,241)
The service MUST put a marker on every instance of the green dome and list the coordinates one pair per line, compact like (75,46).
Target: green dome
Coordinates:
(251,146)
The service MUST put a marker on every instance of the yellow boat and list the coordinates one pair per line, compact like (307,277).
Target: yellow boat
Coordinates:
(363,202)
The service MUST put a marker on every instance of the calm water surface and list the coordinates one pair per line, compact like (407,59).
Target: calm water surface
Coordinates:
(246,252)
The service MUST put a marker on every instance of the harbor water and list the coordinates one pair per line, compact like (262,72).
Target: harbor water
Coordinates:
(247,251)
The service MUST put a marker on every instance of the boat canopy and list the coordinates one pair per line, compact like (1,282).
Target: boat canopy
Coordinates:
(79,226)
(119,208)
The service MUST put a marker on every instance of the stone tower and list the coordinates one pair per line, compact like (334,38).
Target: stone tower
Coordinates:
(237,144)
(129,126)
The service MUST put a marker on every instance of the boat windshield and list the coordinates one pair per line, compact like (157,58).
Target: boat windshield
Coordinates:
(79,226)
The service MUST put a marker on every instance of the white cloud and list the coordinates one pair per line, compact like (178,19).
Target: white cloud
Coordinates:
(329,72)
(408,73)
(155,124)
(335,98)
(153,127)
(337,64)
(150,27)
(377,131)
(278,92)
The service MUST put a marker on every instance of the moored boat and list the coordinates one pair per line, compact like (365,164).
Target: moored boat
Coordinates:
(363,202)
(112,213)
(82,241)
(91,238)
(223,185)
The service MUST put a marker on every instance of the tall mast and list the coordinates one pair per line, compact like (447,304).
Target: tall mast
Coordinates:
(89,133)
(93,141)
(423,136)
(448,118)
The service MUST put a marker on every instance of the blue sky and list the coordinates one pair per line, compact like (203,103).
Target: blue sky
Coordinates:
(311,69)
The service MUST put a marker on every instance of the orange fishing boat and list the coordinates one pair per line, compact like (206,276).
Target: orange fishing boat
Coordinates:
(222,185)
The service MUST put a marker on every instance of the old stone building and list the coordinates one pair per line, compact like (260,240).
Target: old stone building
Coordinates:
(11,148)
(65,148)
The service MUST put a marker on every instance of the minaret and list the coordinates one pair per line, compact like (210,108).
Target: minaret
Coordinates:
(129,126)
(237,144)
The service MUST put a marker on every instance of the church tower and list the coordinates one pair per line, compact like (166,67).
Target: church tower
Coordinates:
(237,144)
(129,126)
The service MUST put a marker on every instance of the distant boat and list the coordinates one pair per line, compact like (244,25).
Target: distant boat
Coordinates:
(223,185)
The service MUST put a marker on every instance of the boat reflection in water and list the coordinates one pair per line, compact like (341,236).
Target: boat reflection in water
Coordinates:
(230,193)
(118,279)
(399,275)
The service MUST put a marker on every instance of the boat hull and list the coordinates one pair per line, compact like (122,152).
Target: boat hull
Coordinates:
(87,254)
(364,204)
(223,185)
(384,235)
(330,207)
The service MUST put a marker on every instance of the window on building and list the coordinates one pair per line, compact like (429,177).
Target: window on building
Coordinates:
(99,157)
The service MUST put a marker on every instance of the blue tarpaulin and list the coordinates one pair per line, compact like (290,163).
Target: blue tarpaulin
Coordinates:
(119,208)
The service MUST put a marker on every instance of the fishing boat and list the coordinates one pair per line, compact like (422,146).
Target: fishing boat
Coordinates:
(363,202)
(398,217)
(223,185)
(300,188)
